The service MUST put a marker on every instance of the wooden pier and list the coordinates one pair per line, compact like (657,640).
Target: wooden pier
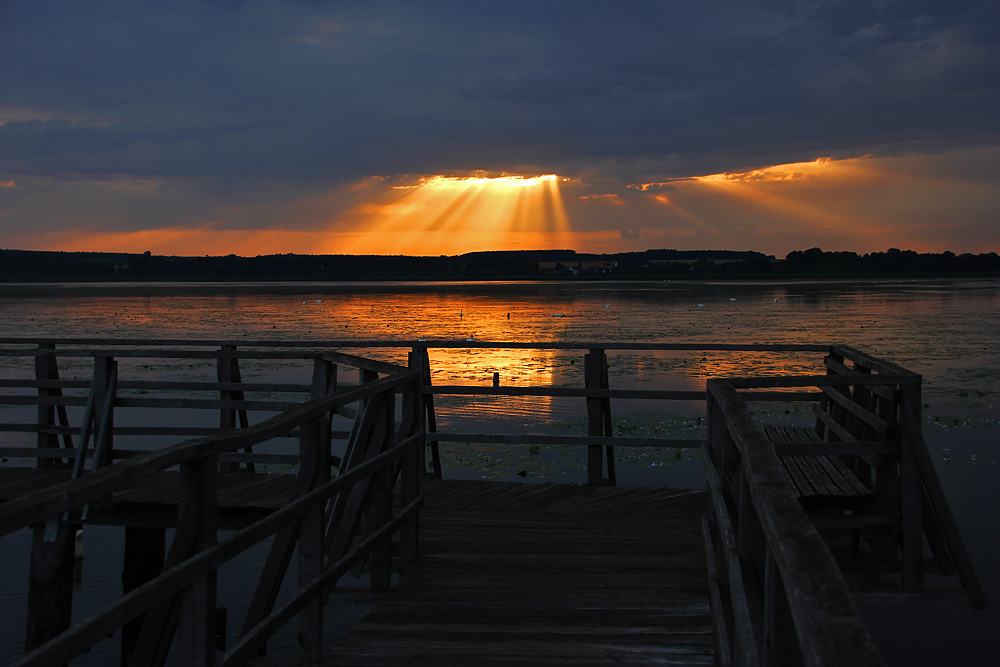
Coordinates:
(463,572)
(556,574)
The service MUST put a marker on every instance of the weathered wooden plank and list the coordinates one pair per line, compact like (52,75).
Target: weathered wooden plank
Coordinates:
(878,424)
(879,388)
(548,578)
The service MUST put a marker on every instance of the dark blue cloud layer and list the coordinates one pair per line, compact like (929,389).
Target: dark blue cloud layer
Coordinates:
(332,91)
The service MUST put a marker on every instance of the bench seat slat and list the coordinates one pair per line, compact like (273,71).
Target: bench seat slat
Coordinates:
(816,476)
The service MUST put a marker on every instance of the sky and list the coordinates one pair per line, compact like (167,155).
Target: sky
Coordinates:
(431,128)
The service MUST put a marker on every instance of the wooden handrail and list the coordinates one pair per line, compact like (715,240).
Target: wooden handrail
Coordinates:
(40,505)
(195,558)
(104,622)
(322,344)
(828,628)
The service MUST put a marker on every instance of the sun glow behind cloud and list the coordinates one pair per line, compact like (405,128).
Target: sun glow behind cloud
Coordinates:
(451,215)
(862,204)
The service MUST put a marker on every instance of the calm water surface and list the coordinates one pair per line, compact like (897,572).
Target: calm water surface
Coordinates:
(945,330)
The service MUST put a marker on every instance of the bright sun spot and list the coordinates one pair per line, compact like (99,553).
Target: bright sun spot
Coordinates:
(452,182)
(454,214)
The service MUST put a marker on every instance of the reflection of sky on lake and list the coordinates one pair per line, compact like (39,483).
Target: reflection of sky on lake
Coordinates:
(942,329)
(945,330)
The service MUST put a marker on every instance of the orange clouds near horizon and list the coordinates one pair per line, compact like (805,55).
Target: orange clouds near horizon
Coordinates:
(924,203)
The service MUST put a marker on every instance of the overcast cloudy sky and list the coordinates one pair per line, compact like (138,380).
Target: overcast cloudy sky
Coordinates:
(258,127)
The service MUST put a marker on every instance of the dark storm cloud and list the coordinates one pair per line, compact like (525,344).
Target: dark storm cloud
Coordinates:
(335,91)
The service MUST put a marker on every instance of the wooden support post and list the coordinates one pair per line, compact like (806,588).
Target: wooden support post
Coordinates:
(366,439)
(608,431)
(410,467)
(228,370)
(716,428)
(424,361)
(824,402)
(380,501)
(105,393)
(911,489)
(44,365)
(595,372)
(780,644)
(314,469)
(145,549)
(197,512)
(313,446)
(50,582)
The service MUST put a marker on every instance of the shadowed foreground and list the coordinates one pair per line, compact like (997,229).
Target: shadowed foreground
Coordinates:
(512,573)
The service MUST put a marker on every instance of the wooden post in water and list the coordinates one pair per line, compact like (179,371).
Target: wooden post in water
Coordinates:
(50,582)
(145,549)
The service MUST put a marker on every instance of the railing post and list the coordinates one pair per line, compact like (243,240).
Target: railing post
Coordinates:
(411,467)
(421,359)
(716,427)
(228,370)
(197,512)
(44,365)
(911,490)
(312,444)
(227,416)
(380,503)
(595,365)
(105,394)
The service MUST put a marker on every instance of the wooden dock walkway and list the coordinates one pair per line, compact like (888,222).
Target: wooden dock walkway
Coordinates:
(557,574)
(341,475)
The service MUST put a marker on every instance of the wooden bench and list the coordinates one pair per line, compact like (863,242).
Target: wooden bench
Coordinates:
(819,479)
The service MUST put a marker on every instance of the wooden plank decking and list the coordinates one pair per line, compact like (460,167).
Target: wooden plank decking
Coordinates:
(560,574)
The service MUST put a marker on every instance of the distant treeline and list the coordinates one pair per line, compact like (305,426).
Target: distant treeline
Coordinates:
(34,266)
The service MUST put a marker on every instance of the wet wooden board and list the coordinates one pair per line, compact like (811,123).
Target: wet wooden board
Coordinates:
(554,574)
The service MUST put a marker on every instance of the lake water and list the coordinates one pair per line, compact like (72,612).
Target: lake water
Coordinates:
(945,330)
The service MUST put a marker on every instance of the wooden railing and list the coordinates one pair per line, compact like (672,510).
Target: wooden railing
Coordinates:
(777,595)
(780,598)
(110,395)
(320,522)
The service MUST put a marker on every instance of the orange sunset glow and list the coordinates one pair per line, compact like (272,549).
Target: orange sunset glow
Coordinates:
(450,215)
(865,203)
